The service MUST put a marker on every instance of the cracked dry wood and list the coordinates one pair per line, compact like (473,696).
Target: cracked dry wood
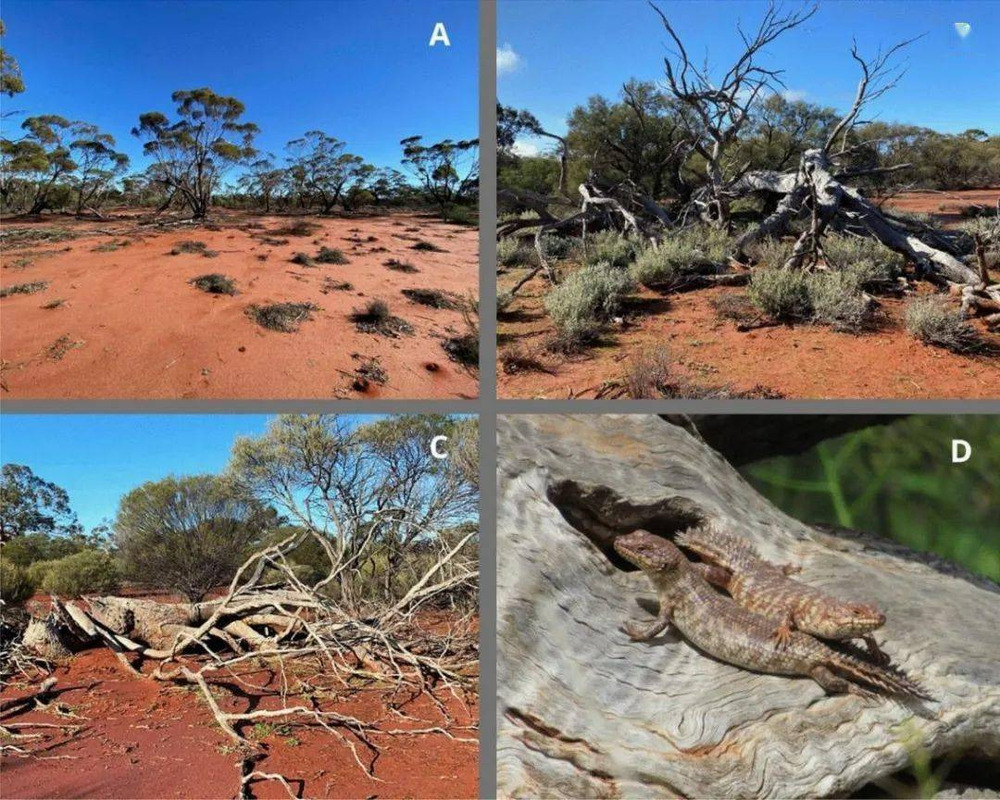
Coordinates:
(584,712)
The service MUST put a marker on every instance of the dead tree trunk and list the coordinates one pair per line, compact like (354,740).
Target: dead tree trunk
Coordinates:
(585,712)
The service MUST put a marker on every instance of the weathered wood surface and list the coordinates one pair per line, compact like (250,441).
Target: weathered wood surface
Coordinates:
(584,712)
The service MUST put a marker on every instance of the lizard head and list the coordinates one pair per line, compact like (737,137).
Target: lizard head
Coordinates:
(850,619)
(648,552)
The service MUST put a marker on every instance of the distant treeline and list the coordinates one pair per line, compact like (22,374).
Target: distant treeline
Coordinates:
(648,137)
(57,164)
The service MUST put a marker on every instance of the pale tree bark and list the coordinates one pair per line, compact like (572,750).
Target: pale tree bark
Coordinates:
(585,712)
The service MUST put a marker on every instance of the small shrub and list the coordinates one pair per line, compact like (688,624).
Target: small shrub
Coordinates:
(282,317)
(780,294)
(460,215)
(836,300)
(38,570)
(15,585)
(376,317)
(433,298)
(330,285)
(869,260)
(89,571)
(189,246)
(558,247)
(648,375)
(512,253)
(428,247)
(695,251)
(931,321)
(400,266)
(330,255)
(300,227)
(587,299)
(214,283)
(464,349)
(612,248)
(514,360)
(303,259)
(24,288)
(771,252)
(504,299)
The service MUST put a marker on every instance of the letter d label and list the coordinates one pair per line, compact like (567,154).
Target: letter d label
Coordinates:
(961,451)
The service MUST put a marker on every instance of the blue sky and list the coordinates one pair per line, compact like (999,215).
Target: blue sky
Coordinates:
(555,54)
(360,71)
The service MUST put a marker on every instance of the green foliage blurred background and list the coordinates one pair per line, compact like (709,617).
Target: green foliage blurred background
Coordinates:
(898,480)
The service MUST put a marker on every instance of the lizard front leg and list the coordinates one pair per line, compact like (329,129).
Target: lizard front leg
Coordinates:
(639,634)
(714,574)
(876,652)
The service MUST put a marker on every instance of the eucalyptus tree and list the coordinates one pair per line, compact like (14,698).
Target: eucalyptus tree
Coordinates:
(192,153)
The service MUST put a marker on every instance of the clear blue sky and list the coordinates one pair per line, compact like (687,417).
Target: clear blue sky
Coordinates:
(360,71)
(565,52)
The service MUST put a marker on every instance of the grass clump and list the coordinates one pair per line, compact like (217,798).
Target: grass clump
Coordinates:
(331,255)
(57,303)
(464,349)
(514,360)
(281,317)
(376,317)
(330,285)
(303,260)
(612,248)
(400,266)
(837,300)
(110,247)
(193,246)
(433,298)
(586,301)
(24,288)
(932,322)
(428,247)
(214,283)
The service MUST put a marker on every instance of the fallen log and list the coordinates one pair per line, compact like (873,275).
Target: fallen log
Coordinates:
(585,712)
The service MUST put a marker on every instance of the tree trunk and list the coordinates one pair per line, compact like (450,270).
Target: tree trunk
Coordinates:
(585,712)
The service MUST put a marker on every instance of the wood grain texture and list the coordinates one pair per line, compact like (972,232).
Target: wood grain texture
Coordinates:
(585,712)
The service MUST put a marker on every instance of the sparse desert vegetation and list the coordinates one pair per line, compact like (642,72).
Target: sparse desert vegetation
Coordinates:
(755,238)
(118,234)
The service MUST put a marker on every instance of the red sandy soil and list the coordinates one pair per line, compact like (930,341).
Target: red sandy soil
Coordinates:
(131,325)
(144,739)
(800,361)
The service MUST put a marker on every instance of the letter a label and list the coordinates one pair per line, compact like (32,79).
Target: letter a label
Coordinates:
(440,34)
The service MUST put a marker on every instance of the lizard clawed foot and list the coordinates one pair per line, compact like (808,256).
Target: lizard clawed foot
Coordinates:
(791,569)
(635,633)
(782,635)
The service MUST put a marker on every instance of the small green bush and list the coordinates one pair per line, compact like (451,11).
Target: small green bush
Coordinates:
(460,215)
(38,571)
(931,321)
(587,299)
(89,571)
(612,248)
(771,252)
(781,294)
(869,260)
(558,247)
(214,283)
(15,585)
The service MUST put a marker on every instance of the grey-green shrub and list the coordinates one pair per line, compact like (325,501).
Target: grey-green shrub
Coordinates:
(15,585)
(836,299)
(780,293)
(86,572)
(872,262)
(512,253)
(586,300)
(931,321)
(611,247)
(771,252)
(558,247)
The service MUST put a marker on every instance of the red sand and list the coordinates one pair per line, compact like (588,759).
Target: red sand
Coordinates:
(131,325)
(144,739)
(800,361)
